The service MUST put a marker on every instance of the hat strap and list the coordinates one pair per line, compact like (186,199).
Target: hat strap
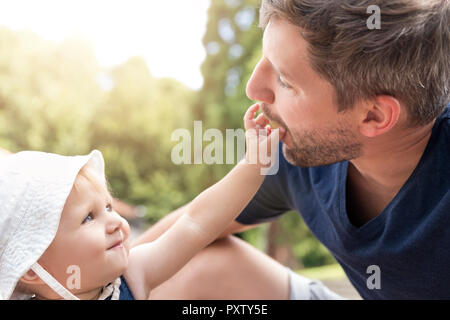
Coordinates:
(112,290)
(52,282)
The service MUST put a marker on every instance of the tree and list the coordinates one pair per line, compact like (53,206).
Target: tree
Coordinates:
(47,92)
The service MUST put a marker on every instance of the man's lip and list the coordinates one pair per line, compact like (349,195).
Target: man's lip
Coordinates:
(272,122)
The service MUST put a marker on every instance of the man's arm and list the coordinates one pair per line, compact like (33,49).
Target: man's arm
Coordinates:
(162,225)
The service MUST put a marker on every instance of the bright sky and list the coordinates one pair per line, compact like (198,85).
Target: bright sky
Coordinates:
(166,33)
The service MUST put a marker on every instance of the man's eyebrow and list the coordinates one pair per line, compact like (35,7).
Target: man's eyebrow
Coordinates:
(285,74)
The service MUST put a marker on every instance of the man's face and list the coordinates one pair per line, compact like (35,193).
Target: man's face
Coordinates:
(294,95)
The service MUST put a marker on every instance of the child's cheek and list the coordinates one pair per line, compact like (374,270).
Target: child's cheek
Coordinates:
(90,246)
(127,246)
(125,229)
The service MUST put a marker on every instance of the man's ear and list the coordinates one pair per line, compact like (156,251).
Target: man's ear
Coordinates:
(30,277)
(379,116)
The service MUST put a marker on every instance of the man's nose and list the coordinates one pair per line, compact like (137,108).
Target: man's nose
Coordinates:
(258,86)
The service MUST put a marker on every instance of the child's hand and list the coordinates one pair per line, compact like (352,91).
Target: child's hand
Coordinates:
(260,137)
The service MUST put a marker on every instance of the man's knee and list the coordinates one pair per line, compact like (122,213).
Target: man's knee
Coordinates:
(215,259)
(229,268)
(200,277)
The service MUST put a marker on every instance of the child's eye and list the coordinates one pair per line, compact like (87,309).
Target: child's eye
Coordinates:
(88,218)
(109,208)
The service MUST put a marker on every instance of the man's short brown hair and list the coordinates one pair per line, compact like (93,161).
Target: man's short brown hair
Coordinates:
(407,58)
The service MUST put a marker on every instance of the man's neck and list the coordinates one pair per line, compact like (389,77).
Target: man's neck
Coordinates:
(375,178)
(387,163)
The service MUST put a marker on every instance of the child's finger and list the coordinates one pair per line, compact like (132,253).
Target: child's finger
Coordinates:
(282,132)
(270,137)
(250,115)
(261,120)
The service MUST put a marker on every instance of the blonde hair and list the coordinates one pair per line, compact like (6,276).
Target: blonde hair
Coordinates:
(90,175)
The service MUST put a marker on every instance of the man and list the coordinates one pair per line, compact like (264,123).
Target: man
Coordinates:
(366,157)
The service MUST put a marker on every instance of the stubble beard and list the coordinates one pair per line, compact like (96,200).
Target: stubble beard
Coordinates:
(311,149)
(317,148)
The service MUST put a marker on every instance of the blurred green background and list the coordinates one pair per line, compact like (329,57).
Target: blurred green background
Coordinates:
(52,99)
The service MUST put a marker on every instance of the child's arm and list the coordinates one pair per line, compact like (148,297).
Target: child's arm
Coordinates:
(205,218)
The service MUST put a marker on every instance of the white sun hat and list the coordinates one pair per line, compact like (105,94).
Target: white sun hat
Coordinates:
(34,187)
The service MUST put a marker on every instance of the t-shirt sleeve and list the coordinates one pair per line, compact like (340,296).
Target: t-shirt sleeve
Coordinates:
(269,202)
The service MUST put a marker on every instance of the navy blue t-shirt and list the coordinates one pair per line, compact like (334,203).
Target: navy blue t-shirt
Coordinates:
(409,241)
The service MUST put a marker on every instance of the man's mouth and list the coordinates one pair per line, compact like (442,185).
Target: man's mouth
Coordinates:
(273,123)
(276,125)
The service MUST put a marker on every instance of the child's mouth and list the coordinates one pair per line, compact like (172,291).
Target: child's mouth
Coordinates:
(117,245)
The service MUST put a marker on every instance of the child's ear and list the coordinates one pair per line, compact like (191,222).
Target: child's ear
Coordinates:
(30,277)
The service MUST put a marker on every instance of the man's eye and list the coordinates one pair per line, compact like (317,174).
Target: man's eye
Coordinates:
(109,208)
(88,218)
(283,84)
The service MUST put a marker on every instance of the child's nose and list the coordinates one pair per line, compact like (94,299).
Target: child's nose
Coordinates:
(114,223)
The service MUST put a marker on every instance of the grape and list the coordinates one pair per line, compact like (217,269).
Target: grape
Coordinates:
(274,125)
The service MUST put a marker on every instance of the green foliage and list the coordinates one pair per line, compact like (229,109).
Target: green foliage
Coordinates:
(323,273)
(47,93)
(51,100)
